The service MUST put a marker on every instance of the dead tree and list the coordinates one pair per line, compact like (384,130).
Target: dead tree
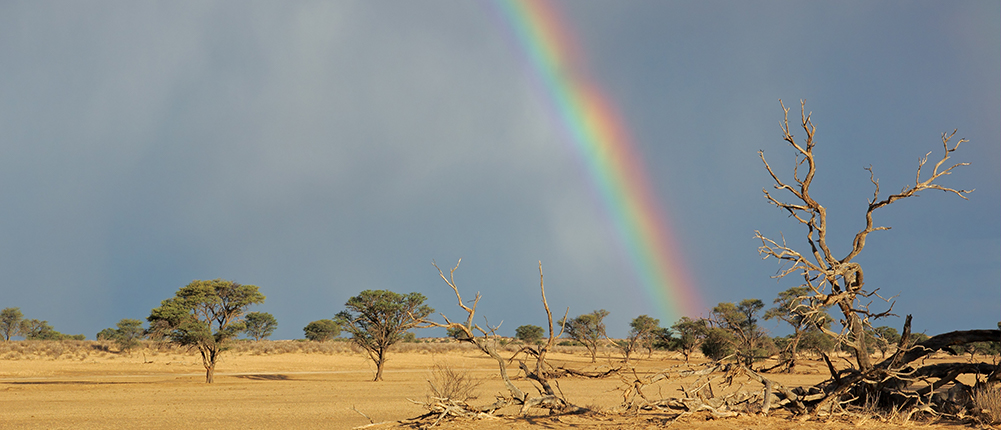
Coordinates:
(902,382)
(839,281)
(835,280)
(896,382)
(471,332)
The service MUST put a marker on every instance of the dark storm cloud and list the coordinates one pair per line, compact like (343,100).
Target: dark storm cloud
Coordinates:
(321,148)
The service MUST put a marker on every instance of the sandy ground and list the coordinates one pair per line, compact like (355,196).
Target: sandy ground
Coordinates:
(150,390)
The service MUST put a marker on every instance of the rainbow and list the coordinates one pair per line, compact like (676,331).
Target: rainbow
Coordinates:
(601,139)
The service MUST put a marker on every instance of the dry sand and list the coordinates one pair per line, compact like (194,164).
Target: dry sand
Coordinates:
(88,388)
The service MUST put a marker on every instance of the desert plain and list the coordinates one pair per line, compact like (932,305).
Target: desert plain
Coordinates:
(305,385)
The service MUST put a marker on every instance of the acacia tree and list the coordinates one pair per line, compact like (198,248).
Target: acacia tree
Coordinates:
(377,319)
(106,334)
(34,329)
(10,322)
(322,330)
(642,333)
(530,334)
(205,315)
(128,334)
(588,329)
(742,323)
(832,279)
(260,325)
(886,337)
(690,334)
(794,307)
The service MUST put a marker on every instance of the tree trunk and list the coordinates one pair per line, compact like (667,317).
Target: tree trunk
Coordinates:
(792,352)
(378,365)
(857,330)
(209,354)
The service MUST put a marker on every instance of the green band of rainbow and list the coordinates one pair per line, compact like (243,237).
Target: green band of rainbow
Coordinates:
(601,139)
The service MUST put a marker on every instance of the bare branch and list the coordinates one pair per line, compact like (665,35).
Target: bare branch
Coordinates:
(909,191)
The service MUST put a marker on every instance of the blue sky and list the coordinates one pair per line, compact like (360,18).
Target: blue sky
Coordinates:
(318,149)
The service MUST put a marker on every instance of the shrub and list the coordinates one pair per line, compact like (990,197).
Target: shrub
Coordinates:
(444,382)
(530,334)
(718,344)
(322,330)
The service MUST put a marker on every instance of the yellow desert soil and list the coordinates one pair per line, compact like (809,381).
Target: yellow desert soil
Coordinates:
(81,386)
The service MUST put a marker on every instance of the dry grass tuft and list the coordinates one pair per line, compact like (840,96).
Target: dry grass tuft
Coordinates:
(48,349)
(274,347)
(987,400)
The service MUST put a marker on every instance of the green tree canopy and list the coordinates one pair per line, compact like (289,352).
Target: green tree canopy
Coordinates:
(588,329)
(260,325)
(106,334)
(717,343)
(10,322)
(644,329)
(741,321)
(128,334)
(690,334)
(322,330)
(530,334)
(204,315)
(377,320)
(34,329)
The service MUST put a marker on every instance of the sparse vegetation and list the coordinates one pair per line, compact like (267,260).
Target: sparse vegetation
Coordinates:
(207,316)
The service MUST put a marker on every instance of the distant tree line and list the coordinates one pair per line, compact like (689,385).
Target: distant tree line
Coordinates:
(12,323)
(206,315)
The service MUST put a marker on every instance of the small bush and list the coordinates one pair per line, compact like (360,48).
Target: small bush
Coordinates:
(717,345)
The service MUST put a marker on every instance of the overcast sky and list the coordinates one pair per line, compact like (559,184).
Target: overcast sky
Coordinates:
(318,149)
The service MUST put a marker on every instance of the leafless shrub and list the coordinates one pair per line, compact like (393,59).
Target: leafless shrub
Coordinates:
(446,382)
